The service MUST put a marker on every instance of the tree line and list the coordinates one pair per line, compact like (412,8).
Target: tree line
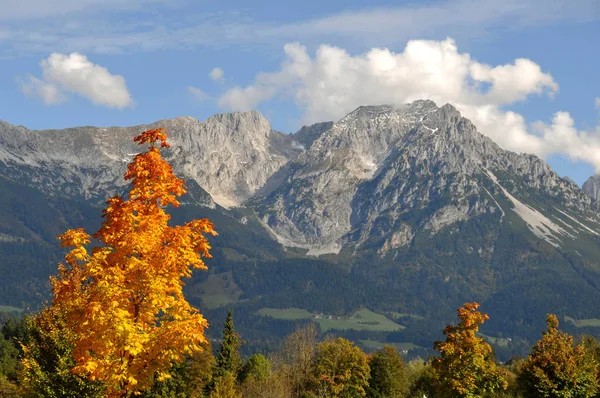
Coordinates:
(36,360)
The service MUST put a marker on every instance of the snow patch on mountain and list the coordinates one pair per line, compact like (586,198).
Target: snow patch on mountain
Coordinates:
(585,227)
(313,250)
(538,223)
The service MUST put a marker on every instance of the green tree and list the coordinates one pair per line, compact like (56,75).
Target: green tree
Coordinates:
(422,379)
(557,368)
(8,389)
(225,387)
(388,374)
(465,367)
(9,358)
(48,359)
(188,378)
(12,336)
(341,369)
(257,367)
(228,357)
(228,363)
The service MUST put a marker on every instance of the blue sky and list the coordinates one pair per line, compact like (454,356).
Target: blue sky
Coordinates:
(525,72)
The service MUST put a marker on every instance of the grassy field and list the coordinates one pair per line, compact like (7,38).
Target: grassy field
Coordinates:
(288,313)
(581,323)
(499,341)
(218,290)
(8,308)
(363,319)
(399,315)
(378,345)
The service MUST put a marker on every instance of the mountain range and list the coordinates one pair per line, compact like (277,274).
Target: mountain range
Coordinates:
(401,209)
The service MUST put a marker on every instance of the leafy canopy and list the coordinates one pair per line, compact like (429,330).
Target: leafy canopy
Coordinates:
(556,368)
(465,367)
(124,299)
(341,369)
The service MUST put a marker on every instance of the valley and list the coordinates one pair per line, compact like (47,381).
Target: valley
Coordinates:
(406,211)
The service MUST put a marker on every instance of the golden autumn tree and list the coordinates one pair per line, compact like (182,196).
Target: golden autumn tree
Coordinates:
(558,368)
(124,300)
(341,369)
(465,367)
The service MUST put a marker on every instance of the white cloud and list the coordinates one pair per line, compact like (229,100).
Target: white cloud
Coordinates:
(161,25)
(334,82)
(34,9)
(597,102)
(197,93)
(75,73)
(217,74)
(561,137)
(31,86)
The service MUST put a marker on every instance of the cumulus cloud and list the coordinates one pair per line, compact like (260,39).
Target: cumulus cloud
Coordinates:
(31,86)
(217,74)
(75,73)
(334,82)
(597,102)
(197,93)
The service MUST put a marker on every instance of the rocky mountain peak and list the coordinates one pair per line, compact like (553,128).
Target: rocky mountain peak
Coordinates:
(229,155)
(592,187)
(308,134)
(242,122)
(328,185)
(379,164)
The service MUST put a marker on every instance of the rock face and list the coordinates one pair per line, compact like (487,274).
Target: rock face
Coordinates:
(379,166)
(230,156)
(308,134)
(379,176)
(592,186)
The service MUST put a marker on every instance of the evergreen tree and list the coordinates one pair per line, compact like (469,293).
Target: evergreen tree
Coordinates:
(228,358)
(188,378)
(48,360)
(228,362)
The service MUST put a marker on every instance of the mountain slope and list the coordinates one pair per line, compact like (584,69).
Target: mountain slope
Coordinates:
(229,155)
(380,163)
(592,187)
(410,210)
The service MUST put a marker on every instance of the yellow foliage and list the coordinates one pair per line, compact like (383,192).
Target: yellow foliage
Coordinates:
(465,367)
(124,299)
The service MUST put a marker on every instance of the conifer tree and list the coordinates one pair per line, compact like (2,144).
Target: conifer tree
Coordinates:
(228,357)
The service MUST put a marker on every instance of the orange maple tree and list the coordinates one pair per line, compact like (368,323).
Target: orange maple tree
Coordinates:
(124,299)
